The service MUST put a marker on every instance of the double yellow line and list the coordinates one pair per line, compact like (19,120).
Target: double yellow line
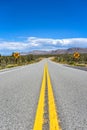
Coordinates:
(53,117)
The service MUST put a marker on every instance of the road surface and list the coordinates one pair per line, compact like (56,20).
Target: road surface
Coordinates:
(77,67)
(20,90)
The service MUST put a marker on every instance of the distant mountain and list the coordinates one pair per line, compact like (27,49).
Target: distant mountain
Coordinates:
(39,52)
(58,51)
(80,50)
(70,51)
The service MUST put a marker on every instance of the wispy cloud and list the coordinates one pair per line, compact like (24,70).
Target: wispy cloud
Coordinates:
(32,43)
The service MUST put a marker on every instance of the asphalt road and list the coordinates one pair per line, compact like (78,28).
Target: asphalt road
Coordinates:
(70,90)
(77,67)
(19,93)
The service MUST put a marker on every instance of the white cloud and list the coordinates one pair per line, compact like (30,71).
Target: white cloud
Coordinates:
(58,42)
(12,45)
(75,41)
(32,43)
(41,41)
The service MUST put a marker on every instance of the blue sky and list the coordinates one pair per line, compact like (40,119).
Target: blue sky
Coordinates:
(27,25)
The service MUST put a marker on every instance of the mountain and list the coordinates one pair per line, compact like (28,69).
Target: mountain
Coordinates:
(58,51)
(69,51)
(80,50)
(38,52)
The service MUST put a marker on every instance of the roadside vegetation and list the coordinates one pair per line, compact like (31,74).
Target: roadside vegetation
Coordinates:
(71,60)
(11,61)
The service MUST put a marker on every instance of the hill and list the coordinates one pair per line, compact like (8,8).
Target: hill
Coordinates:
(58,51)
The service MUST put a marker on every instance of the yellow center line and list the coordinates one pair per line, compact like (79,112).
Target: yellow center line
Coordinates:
(53,117)
(40,108)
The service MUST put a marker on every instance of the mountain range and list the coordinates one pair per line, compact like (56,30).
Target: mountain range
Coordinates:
(58,51)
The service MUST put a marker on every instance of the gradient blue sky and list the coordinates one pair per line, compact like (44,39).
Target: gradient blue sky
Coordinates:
(42,24)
